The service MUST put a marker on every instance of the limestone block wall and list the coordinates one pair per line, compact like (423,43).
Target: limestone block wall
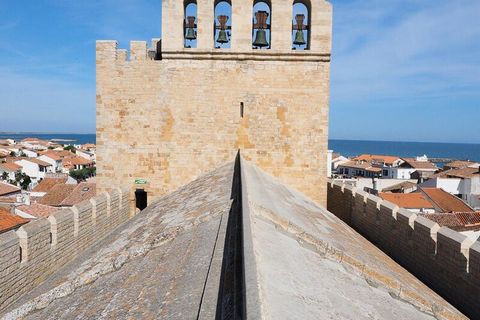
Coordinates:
(36,250)
(168,121)
(445,260)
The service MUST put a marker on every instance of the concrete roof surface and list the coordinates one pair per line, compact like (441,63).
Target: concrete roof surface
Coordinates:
(155,266)
(308,264)
(300,262)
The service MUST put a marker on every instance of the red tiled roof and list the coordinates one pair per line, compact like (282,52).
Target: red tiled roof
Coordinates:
(9,221)
(57,194)
(445,201)
(458,164)
(30,140)
(407,200)
(76,160)
(83,191)
(12,167)
(375,157)
(48,183)
(39,162)
(419,165)
(52,156)
(8,199)
(38,210)
(460,221)
(6,189)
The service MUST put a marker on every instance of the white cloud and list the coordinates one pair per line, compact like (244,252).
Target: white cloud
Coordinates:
(438,43)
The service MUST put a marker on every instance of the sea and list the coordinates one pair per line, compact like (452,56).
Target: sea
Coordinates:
(459,151)
(63,138)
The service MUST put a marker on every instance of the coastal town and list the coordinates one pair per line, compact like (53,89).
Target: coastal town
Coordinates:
(448,195)
(39,177)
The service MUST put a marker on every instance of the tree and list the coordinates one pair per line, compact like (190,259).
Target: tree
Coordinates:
(70,148)
(4,176)
(83,174)
(12,154)
(22,180)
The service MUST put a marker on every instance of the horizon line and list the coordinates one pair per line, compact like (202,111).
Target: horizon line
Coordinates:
(330,138)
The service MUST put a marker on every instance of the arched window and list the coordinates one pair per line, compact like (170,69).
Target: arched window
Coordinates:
(190,24)
(301,25)
(261,22)
(222,24)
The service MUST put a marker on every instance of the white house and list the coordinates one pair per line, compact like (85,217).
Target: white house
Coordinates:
(464,183)
(30,153)
(337,159)
(35,168)
(54,160)
(85,154)
(11,169)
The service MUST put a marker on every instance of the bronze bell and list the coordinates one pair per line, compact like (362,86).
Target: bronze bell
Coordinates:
(222,33)
(222,36)
(299,39)
(260,39)
(191,35)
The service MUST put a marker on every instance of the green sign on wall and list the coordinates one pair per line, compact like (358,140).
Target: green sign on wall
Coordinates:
(141,181)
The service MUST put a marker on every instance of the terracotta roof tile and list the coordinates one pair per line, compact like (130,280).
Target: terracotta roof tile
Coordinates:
(8,200)
(445,201)
(57,194)
(83,191)
(48,183)
(419,165)
(407,200)
(39,162)
(458,164)
(460,221)
(38,210)
(375,157)
(6,188)
(9,221)
(76,160)
(12,167)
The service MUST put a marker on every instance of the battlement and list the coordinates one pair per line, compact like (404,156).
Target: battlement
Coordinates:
(38,249)
(444,259)
(108,52)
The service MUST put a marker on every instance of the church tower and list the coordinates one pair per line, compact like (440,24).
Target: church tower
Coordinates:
(226,75)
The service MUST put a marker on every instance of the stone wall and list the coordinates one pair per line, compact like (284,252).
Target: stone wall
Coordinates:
(445,260)
(170,120)
(33,252)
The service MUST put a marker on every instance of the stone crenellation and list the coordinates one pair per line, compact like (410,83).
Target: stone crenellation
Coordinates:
(445,260)
(38,249)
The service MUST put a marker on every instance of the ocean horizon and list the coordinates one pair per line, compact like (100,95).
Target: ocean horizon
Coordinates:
(348,148)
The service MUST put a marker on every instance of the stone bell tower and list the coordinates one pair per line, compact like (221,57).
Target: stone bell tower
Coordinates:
(169,113)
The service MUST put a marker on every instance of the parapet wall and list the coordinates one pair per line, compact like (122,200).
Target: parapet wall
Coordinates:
(445,260)
(36,250)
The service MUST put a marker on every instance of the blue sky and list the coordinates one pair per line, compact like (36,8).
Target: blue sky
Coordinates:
(401,69)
